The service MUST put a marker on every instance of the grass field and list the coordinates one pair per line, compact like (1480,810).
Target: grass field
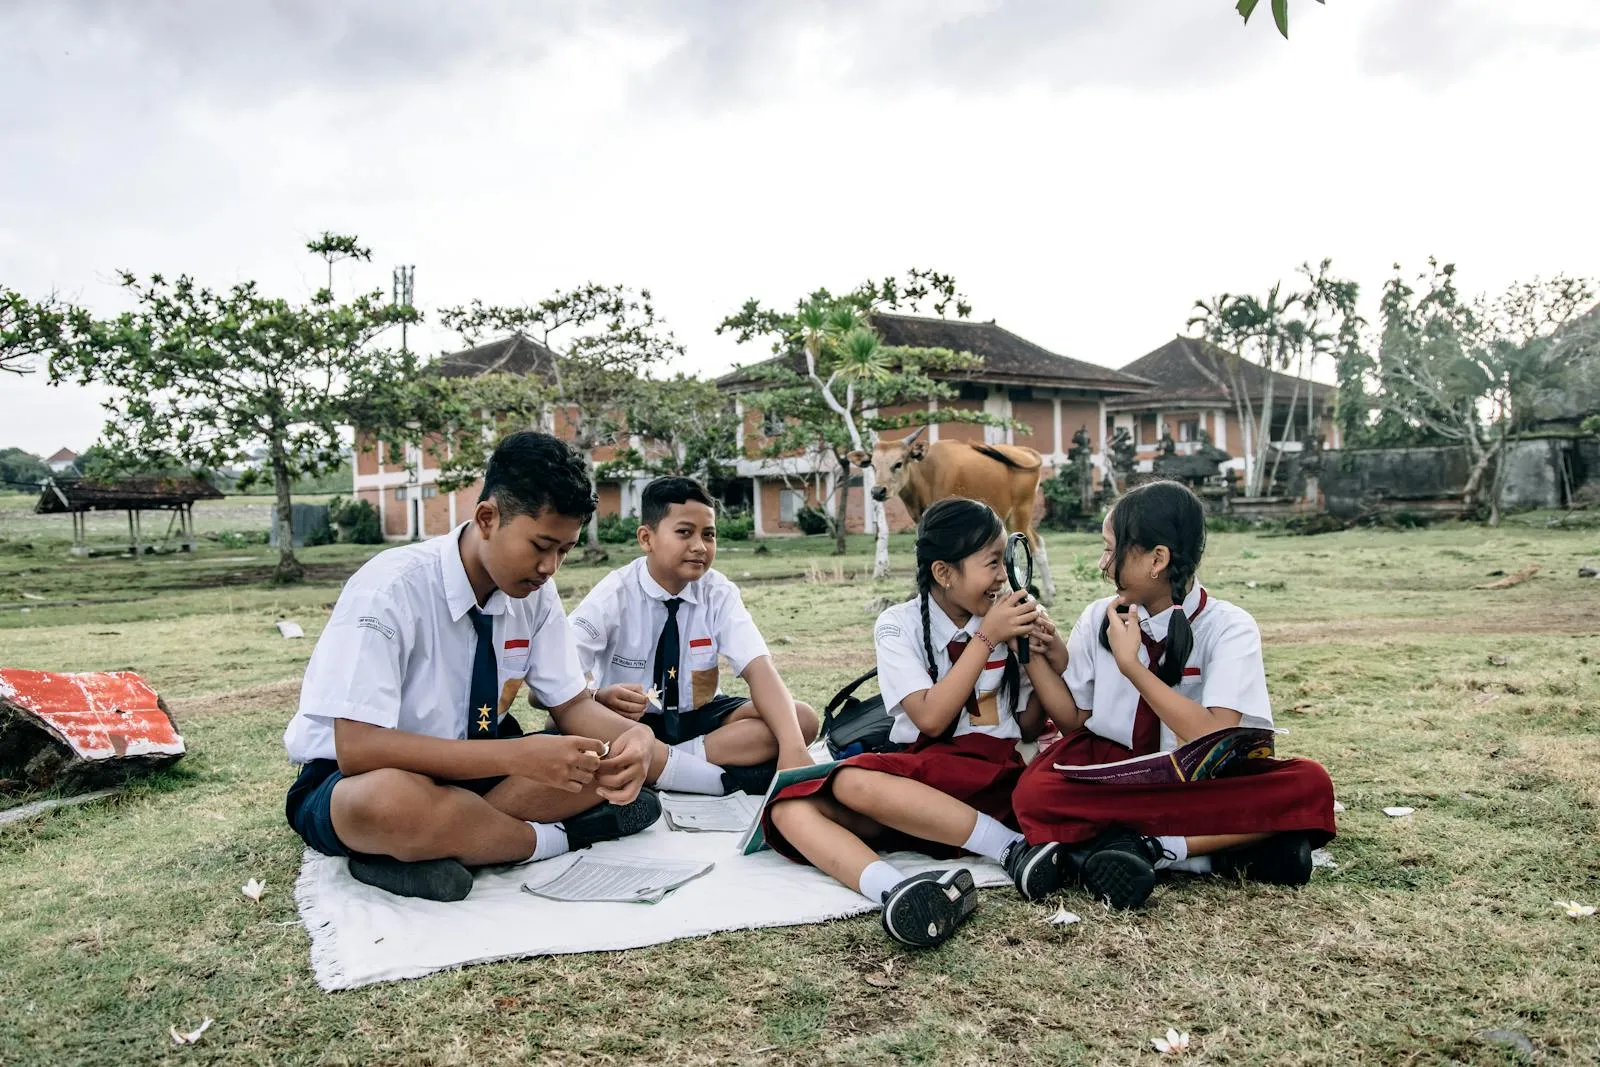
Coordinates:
(1476,707)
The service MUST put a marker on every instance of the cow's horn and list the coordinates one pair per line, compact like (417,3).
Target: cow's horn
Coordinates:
(920,431)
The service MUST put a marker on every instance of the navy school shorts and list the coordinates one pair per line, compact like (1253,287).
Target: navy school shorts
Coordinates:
(696,723)
(309,803)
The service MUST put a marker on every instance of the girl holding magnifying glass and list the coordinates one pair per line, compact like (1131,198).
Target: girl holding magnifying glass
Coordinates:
(949,675)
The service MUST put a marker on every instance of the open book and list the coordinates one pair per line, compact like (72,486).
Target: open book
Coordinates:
(755,839)
(1216,755)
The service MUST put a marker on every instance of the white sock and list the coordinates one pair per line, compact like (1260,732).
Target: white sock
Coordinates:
(552,840)
(878,879)
(685,773)
(991,838)
(1193,865)
(1175,847)
(695,746)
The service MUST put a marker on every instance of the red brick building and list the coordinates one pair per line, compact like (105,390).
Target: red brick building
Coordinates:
(1193,392)
(1052,395)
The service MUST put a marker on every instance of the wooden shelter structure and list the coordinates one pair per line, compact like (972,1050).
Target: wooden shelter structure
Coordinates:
(133,495)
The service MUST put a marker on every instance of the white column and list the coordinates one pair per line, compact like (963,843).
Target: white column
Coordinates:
(383,510)
(933,428)
(755,505)
(1221,436)
(1055,403)
(738,429)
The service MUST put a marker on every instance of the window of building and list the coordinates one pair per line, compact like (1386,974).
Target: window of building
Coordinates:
(1147,430)
(400,493)
(773,425)
(790,501)
(974,392)
(429,491)
(1189,430)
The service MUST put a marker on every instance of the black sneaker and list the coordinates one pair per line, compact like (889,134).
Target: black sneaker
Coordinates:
(1036,870)
(925,909)
(427,879)
(607,822)
(753,780)
(1282,859)
(1120,868)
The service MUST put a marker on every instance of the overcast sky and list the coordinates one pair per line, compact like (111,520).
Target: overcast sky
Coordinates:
(1087,169)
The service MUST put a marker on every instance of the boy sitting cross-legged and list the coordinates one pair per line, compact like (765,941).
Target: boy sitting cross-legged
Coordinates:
(649,636)
(411,765)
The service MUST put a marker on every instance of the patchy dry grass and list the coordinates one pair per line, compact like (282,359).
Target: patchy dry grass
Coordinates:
(1478,708)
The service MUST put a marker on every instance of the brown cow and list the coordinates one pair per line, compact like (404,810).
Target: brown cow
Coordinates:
(1006,477)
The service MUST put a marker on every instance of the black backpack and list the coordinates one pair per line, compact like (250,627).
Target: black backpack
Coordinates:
(851,726)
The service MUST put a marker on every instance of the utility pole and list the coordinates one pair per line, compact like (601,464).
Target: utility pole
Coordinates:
(405,291)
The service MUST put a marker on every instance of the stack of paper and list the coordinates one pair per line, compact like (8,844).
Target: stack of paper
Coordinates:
(699,814)
(619,879)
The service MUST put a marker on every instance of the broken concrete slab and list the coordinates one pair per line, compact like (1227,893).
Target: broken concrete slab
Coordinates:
(78,732)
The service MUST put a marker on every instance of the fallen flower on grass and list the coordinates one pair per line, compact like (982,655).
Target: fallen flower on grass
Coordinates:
(1338,808)
(1576,910)
(1321,857)
(1063,917)
(192,1036)
(1174,1044)
(253,889)
(1399,813)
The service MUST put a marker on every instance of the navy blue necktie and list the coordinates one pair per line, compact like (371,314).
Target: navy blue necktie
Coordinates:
(665,675)
(482,709)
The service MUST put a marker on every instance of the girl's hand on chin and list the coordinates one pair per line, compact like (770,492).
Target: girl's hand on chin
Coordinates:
(1123,633)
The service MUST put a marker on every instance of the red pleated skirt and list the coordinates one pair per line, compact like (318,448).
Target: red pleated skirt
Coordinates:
(1266,796)
(976,769)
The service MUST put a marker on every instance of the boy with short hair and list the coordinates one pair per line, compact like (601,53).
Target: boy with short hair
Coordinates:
(411,765)
(649,636)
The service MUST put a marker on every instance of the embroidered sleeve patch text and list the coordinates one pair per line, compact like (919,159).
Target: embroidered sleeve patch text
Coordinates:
(368,622)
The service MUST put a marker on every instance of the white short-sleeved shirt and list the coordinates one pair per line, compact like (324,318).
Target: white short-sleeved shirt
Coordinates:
(398,650)
(1225,669)
(619,623)
(903,670)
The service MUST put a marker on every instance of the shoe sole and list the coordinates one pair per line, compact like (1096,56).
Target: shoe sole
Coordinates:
(924,914)
(1041,872)
(608,822)
(1121,879)
(442,880)
(1271,863)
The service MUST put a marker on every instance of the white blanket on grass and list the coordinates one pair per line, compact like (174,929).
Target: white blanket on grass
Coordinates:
(360,935)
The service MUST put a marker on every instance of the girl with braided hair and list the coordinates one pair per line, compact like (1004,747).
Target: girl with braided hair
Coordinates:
(1155,666)
(961,702)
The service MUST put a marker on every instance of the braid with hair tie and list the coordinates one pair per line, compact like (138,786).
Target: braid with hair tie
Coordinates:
(927,638)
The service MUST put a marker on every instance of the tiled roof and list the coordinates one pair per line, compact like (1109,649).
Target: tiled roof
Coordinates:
(1007,358)
(516,354)
(1179,369)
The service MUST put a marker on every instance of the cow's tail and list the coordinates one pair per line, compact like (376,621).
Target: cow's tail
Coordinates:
(1010,460)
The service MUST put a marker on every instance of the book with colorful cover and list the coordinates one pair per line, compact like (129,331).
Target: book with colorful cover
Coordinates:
(1216,755)
(755,838)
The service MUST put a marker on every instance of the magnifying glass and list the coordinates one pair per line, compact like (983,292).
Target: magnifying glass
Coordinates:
(1019,570)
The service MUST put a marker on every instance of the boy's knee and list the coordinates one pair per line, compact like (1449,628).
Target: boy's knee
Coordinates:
(383,802)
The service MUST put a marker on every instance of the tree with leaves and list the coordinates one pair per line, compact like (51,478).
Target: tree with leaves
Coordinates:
(1280,332)
(829,394)
(604,339)
(684,426)
(336,248)
(27,330)
(204,376)
(1467,371)
(1280,12)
